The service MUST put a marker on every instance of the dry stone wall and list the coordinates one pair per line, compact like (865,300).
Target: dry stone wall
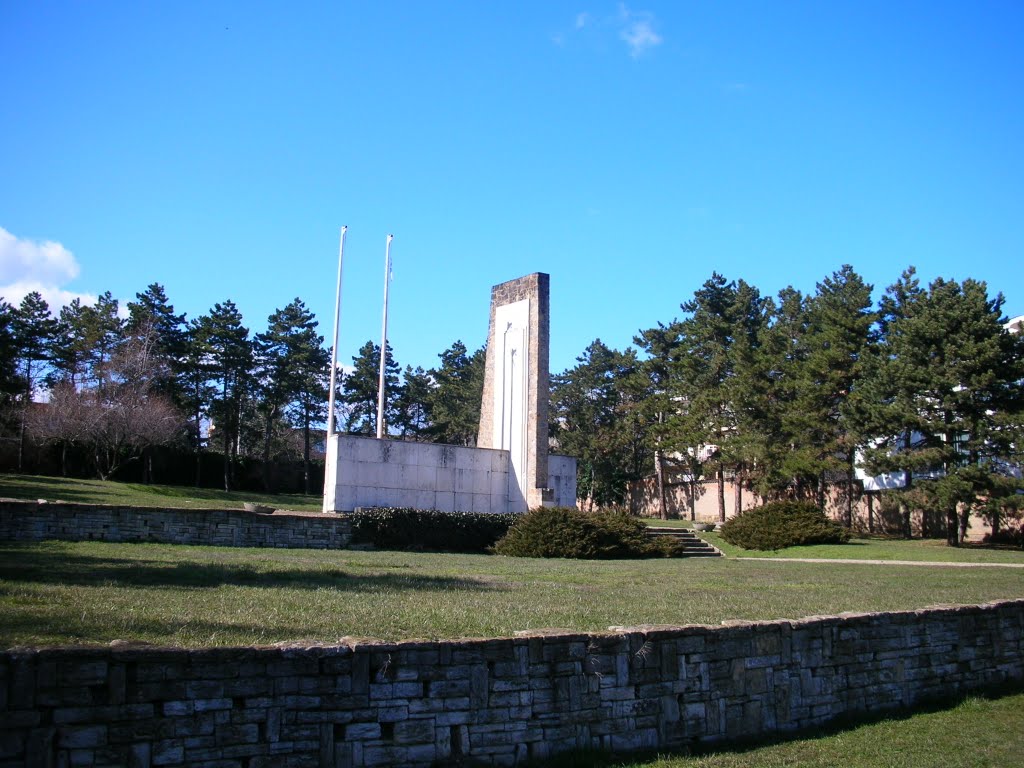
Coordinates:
(30,521)
(491,702)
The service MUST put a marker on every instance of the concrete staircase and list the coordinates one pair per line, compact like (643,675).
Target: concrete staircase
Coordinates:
(690,545)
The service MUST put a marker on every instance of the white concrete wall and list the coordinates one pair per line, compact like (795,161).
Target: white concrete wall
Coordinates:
(511,390)
(366,472)
(562,479)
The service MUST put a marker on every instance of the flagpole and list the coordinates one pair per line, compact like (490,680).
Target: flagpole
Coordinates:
(334,348)
(384,340)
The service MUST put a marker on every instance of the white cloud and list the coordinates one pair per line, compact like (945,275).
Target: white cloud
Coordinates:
(637,31)
(43,266)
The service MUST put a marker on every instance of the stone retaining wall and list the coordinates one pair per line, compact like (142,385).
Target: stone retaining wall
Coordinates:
(30,521)
(498,702)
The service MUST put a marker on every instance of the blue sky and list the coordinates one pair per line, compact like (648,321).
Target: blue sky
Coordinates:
(627,149)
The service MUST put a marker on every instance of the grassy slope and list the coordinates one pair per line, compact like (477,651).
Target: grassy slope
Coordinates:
(137,495)
(977,732)
(60,592)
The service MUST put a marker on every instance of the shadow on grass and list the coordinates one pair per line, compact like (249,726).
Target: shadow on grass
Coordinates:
(47,488)
(27,564)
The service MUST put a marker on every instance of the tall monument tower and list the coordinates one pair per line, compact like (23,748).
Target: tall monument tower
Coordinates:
(514,410)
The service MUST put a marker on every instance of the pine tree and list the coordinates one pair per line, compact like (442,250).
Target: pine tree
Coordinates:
(33,332)
(455,400)
(9,385)
(225,353)
(703,417)
(152,317)
(943,400)
(360,388)
(413,404)
(596,416)
(834,336)
(661,344)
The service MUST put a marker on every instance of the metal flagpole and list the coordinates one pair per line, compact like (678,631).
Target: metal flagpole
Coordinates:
(384,341)
(334,349)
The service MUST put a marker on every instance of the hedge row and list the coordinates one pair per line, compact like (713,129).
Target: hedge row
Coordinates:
(429,529)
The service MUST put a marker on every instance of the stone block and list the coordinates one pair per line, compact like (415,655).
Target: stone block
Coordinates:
(73,736)
(444,501)
(464,481)
(445,480)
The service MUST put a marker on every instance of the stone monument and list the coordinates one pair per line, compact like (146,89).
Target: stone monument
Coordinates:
(514,409)
(510,469)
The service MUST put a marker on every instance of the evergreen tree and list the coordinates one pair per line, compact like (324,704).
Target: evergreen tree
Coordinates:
(781,362)
(841,318)
(455,400)
(308,372)
(72,350)
(413,403)
(943,400)
(597,418)
(153,317)
(225,353)
(9,385)
(745,437)
(703,418)
(196,390)
(33,332)
(360,389)
(820,344)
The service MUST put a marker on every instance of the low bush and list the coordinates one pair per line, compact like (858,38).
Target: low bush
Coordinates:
(782,524)
(429,529)
(570,533)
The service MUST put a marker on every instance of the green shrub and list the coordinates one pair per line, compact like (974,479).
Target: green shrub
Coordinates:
(782,524)
(429,529)
(570,533)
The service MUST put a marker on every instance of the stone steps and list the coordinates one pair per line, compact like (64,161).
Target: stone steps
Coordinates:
(689,544)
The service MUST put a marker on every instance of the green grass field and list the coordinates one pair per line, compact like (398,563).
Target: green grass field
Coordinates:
(919,550)
(92,592)
(976,733)
(874,548)
(33,487)
(55,593)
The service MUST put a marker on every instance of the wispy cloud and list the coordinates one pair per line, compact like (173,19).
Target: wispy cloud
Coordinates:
(637,29)
(37,265)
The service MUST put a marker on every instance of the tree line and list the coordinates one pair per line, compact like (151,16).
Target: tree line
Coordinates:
(118,387)
(785,395)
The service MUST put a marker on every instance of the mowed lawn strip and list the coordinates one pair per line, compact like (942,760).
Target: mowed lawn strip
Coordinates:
(32,488)
(977,732)
(866,548)
(92,592)
(918,550)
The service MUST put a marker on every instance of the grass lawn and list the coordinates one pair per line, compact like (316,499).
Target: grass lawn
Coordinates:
(977,732)
(874,548)
(137,495)
(934,550)
(93,592)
